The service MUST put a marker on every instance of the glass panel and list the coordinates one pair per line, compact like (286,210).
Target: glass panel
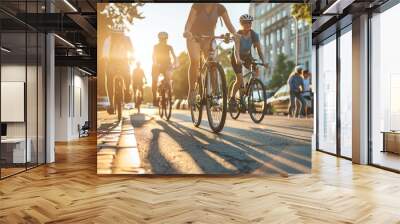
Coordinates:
(327,97)
(41,99)
(13,85)
(31,98)
(346,94)
(385,89)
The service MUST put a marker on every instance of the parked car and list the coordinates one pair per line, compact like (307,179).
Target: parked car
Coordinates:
(102,103)
(279,102)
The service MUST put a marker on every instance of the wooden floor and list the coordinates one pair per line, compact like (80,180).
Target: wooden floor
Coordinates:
(69,191)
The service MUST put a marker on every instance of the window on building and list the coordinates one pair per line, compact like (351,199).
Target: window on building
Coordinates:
(283,33)
(292,27)
(278,35)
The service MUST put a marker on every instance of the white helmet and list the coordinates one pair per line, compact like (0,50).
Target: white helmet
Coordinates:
(246,17)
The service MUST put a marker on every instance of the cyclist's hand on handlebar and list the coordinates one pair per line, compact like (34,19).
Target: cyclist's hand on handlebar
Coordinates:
(188,35)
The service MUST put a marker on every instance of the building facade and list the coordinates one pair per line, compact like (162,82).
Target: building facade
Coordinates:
(276,26)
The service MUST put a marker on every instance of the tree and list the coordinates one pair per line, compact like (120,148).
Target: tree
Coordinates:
(180,76)
(283,68)
(302,11)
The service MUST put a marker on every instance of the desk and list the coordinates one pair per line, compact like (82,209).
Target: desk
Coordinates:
(17,150)
(391,141)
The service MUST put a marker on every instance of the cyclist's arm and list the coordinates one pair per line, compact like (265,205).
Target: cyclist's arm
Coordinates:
(154,56)
(190,20)
(228,23)
(232,30)
(259,51)
(173,55)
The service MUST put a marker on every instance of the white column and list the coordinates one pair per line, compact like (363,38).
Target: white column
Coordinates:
(50,100)
(360,90)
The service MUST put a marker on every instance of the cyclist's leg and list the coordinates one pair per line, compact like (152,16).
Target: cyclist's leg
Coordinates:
(134,93)
(155,73)
(194,57)
(168,76)
(239,77)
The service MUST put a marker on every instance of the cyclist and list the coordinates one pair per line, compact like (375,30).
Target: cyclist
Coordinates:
(249,38)
(202,21)
(161,62)
(137,83)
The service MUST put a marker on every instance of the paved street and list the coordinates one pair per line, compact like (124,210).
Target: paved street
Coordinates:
(278,145)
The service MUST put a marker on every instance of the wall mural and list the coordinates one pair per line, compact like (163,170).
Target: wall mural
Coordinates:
(204,88)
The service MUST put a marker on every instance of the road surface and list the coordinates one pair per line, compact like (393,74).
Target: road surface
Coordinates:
(278,145)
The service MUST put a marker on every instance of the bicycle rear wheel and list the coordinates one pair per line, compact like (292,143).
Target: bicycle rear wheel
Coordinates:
(216,98)
(257,100)
(167,103)
(196,107)
(160,104)
(234,103)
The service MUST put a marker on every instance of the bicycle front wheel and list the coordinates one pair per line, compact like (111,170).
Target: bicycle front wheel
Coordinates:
(167,107)
(160,105)
(257,101)
(216,97)
(196,103)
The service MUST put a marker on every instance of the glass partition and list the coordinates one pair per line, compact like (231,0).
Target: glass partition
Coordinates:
(327,96)
(346,93)
(385,89)
(22,91)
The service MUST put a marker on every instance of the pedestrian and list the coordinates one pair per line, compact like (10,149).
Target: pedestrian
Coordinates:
(296,87)
(307,88)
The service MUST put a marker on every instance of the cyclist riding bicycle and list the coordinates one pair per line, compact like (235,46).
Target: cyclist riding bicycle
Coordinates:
(249,38)
(161,62)
(202,21)
(138,80)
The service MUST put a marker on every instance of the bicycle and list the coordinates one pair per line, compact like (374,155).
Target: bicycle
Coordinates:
(254,93)
(164,98)
(138,98)
(210,88)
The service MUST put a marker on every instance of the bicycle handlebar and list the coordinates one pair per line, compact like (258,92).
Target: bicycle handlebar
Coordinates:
(225,37)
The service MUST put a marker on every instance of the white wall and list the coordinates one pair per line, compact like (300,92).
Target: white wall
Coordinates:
(71,102)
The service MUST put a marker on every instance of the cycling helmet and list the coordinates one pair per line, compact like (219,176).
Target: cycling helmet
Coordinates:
(246,17)
(162,35)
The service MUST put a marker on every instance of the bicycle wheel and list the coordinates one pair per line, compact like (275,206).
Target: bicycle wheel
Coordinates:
(216,99)
(160,104)
(256,100)
(196,107)
(167,103)
(234,103)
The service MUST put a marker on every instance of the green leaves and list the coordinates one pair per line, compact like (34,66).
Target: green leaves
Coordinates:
(302,11)
(283,68)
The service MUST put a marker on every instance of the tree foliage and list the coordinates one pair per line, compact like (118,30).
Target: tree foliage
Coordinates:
(283,68)
(302,11)
(180,76)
